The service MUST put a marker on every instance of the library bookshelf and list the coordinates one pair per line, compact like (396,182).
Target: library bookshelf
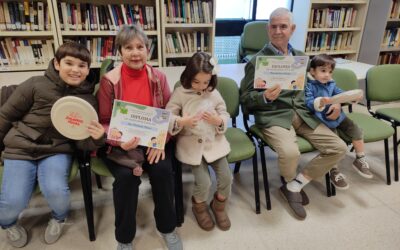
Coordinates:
(187,27)
(332,27)
(27,35)
(99,26)
(390,47)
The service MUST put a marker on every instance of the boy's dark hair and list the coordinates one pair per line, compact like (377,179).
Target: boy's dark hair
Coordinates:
(199,62)
(127,33)
(322,60)
(73,49)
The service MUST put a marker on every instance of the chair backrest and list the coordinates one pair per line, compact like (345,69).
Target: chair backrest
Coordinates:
(253,38)
(383,83)
(106,65)
(345,79)
(229,91)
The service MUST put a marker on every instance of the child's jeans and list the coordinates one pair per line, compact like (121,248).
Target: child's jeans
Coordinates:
(19,179)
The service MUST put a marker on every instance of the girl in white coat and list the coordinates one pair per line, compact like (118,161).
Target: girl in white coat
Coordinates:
(200,121)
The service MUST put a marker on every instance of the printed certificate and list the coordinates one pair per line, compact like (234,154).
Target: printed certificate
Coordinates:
(130,120)
(287,71)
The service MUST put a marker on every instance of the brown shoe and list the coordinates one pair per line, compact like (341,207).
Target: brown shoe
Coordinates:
(305,199)
(221,217)
(203,216)
(294,200)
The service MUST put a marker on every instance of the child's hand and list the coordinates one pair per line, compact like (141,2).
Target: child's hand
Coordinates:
(131,144)
(188,121)
(212,118)
(334,111)
(324,101)
(360,98)
(96,130)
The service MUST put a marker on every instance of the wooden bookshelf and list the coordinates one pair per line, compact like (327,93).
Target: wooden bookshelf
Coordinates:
(97,32)
(333,27)
(27,35)
(181,29)
(389,52)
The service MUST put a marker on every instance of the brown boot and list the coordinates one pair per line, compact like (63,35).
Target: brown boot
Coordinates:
(221,217)
(203,216)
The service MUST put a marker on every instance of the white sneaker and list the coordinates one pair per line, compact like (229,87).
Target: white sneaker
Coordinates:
(173,241)
(16,236)
(53,231)
(122,246)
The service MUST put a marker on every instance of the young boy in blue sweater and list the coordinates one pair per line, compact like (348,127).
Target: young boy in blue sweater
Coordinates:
(321,84)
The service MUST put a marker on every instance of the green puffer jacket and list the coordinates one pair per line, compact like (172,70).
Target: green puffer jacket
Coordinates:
(280,112)
(26,129)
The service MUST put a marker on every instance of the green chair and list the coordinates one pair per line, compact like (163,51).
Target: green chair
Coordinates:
(383,85)
(242,145)
(252,40)
(373,129)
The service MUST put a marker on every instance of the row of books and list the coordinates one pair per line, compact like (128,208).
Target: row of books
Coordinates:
(394,9)
(187,42)
(188,11)
(25,51)
(332,17)
(389,58)
(391,38)
(328,41)
(26,15)
(95,17)
(102,48)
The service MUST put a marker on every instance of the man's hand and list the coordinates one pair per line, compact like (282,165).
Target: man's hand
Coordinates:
(260,83)
(334,111)
(154,155)
(272,93)
(131,144)
(212,118)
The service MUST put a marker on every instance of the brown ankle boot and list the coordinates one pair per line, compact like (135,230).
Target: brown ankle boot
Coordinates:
(221,217)
(203,216)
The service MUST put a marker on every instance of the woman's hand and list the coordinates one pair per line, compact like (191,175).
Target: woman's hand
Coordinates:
(212,118)
(154,155)
(96,130)
(272,93)
(131,144)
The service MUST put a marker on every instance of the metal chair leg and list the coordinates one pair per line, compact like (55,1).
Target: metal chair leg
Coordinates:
(265,176)
(237,167)
(328,185)
(98,181)
(388,179)
(179,194)
(395,155)
(256,184)
(85,173)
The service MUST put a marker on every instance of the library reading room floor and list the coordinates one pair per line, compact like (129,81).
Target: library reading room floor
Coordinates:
(366,216)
